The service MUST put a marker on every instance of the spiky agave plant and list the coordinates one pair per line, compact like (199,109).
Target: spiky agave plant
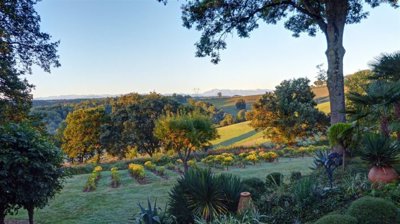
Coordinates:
(380,151)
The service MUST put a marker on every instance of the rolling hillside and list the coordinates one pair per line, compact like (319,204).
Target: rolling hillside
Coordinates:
(240,134)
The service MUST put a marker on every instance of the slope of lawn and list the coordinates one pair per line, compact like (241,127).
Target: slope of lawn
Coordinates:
(240,134)
(119,205)
(228,103)
(324,107)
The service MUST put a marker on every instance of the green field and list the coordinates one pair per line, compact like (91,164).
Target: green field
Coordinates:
(240,134)
(119,205)
(228,103)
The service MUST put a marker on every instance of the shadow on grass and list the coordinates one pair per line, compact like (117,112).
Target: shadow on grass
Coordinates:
(236,139)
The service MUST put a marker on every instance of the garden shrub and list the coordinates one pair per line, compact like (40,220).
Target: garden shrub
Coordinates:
(115,177)
(199,193)
(98,169)
(160,170)
(294,176)
(149,165)
(370,210)
(136,170)
(252,157)
(337,219)
(268,156)
(192,163)
(91,181)
(255,186)
(274,179)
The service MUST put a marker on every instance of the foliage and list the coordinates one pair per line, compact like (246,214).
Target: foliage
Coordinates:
(160,170)
(30,168)
(149,165)
(132,123)
(137,171)
(288,113)
(380,151)
(274,179)
(149,215)
(329,161)
(115,177)
(295,176)
(255,186)
(370,210)
(248,218)
(268,156)
(252,157)
(304,191)
(336,219)
(92,181)
(241,115)
(81,137)
(203,194)
(340,134)
(185,134)
(240,104)
(357,83)
(22,46)
(228,120)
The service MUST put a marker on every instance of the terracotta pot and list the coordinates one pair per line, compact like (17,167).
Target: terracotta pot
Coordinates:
(244,202)
(382,174)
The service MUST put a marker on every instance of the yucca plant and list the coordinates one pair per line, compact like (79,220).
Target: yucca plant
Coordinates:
(200,193)
(380,151)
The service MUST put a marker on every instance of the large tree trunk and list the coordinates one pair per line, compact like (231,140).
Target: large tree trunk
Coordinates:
(336,18)
(2,216)
(30,213)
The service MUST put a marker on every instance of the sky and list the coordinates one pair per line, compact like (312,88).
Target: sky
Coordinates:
(123,46)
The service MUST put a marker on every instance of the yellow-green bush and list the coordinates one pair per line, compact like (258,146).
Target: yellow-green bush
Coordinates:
(149,165)
(136,170)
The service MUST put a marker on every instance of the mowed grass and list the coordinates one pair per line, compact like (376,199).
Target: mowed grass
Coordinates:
(119,205)
(228,103)
(240,134)
(324,107)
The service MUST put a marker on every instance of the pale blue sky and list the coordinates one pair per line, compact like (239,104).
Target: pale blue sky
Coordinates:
(122,46)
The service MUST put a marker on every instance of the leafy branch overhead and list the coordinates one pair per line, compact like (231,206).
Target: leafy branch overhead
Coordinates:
(216,19)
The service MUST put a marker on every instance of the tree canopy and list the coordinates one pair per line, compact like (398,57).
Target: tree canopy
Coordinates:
(22,45)
(218,19)
(30,169)
(185,133)
(81,137)
(288,113)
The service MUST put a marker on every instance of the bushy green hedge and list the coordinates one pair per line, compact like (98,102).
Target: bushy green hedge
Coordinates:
(370,210)
(337,219)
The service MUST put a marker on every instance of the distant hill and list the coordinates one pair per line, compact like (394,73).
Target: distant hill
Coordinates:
(234,92)
(74,97)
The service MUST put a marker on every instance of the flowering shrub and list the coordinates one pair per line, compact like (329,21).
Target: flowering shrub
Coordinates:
(115,178)
(252,158)
(160,170)
(92,181)
(98,169)
(137,171)
(192,163)
(149,165)
(228,161)
(209,160)
(268,156)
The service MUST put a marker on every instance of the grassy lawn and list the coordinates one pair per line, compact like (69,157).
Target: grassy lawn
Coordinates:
(119,205)
(240,134)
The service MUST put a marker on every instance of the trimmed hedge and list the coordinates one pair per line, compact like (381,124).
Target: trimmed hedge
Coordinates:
(370,210)
(337,219)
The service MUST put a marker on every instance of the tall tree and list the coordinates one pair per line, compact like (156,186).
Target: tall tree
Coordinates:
(81,136)
(289,112)
(132,123)
(30,169)
(240,104)
(22,45)
(185,134)
(217,19)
